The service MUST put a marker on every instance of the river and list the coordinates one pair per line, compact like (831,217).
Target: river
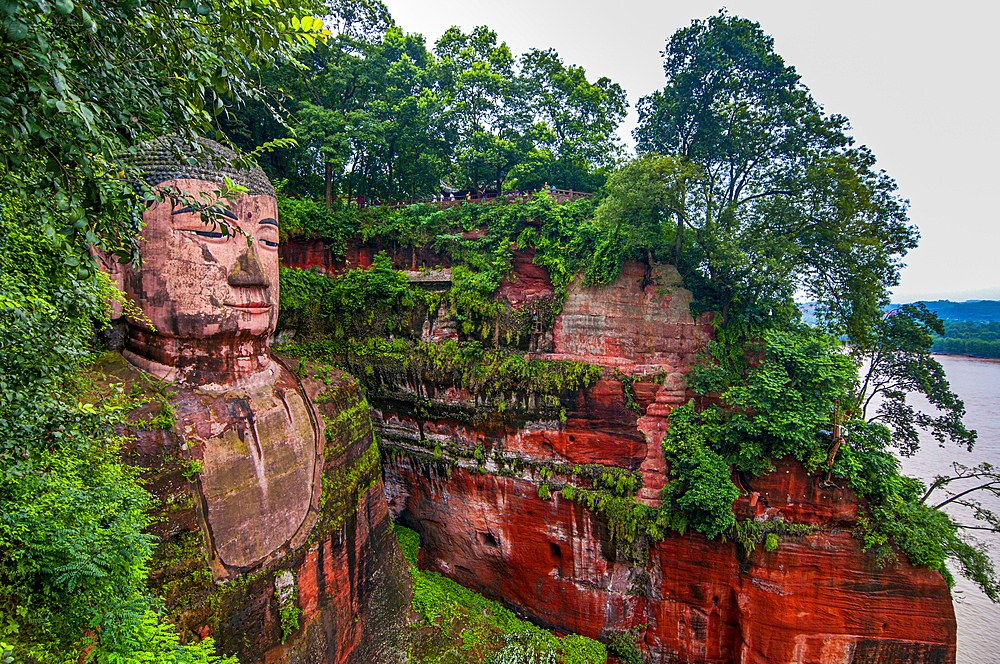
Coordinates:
(977,382)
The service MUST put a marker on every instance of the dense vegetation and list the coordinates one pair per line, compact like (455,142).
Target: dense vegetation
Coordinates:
(969,338)
(562,236)
(81,83)
(71,515)
(752,192)
(750,205)
(379,115)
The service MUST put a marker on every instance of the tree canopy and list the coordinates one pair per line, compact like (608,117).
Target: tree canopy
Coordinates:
(379,114)
(759,197)
(769,195)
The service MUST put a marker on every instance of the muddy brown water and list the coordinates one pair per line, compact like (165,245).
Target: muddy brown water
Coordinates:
(977,382)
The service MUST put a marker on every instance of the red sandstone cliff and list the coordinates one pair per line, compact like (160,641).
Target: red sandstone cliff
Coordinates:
(816,598)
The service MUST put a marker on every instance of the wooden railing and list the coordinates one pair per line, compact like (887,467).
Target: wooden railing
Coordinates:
(559,195)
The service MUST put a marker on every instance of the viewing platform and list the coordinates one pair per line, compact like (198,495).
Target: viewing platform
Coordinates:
(445,200)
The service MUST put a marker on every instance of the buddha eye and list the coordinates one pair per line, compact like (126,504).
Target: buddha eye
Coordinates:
(210,234)
(267,233)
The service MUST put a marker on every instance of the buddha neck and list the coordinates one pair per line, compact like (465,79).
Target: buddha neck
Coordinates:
(212,364)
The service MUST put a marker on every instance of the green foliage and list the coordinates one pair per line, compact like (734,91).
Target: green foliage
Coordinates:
(191,469)
(523,648)
(619,481)
(699,485)
(970,330)
(71,516)
(288,605)
(544,492)
(82,81)
(562,244)
(777,411)
(163,419)
(751,184)
(475,629)
(750,532)
(312,220)
(579,119)
(972,347)
(780,410)
(628,392)
(626,518)
(159,643)
(644,211)
(896,353)
(490,374)
(378,115)
(357,302)
(409,542)
(624,646)
(788,398)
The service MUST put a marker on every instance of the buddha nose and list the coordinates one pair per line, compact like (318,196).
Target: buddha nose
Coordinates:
(248,272)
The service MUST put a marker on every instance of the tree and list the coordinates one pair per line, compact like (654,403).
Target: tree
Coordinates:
(335,90)
(366,111)
(575,122)
(782,186)
(406,117)
(81,82)
(895,356)
(755,193)
(486,106)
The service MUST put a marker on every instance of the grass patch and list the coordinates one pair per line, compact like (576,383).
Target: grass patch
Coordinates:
(460,625)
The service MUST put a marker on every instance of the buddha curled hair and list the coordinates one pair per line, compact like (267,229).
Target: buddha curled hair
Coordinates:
(167,158)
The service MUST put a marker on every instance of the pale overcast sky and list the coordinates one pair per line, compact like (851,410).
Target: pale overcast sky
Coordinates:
(917,80)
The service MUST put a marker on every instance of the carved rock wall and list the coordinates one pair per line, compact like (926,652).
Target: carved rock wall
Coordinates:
(315,254)
(340,578)
(816,598)
(641,322)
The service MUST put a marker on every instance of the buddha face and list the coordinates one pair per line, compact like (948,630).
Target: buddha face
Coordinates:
(196,282)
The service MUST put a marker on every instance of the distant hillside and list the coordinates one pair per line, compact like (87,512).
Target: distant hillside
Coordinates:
(977,311)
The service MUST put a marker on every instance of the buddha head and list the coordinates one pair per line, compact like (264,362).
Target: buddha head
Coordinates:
(208,294)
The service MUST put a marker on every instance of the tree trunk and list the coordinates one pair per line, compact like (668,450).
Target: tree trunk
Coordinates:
(679,243)
(328,192)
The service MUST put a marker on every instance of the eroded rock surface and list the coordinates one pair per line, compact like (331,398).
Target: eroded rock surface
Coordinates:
(493,519)
(817,598)
(480,477)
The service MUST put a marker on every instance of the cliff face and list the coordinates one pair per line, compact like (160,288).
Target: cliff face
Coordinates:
(482,489)
(529,496)
(305,573)
(815,598)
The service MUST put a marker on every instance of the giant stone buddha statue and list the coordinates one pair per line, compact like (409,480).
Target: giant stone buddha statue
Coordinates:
(209,303)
